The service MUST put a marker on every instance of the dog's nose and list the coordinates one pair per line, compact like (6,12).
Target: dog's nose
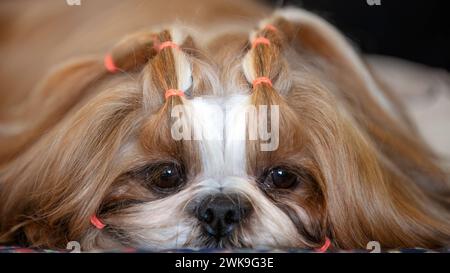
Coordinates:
(220,214)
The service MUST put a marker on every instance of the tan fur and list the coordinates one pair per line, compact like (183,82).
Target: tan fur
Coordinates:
(73,148)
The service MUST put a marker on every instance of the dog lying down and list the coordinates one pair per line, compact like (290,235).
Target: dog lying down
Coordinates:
(205,131)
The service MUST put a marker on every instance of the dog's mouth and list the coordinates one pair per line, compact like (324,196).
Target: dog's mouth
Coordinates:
(207,241)
(227,239)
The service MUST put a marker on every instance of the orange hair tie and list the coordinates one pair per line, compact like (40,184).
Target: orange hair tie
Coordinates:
(173,92)
(109,64)
(261,80)
(96,222)
(270,27)
(167,44)
(260,40)
(325,246)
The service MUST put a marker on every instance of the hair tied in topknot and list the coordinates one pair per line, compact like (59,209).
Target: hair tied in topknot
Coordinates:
(260,40)
(166,44)
(173,92)
(261,80)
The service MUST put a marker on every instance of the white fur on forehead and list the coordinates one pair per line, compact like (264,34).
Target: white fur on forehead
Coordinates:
(220,123)
(235,132)
(208,124)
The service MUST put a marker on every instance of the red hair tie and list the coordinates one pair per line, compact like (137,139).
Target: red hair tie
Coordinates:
(96,222)
(109,64)
(325,246)
(260,40)
(167,44)
(261,80)
(173,92)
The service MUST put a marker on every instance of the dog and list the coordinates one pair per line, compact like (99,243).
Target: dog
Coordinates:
(148,144)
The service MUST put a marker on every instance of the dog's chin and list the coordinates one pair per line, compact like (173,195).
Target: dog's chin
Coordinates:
(192,239)
(211,242)
(191,234)
(198,237)
(204,241)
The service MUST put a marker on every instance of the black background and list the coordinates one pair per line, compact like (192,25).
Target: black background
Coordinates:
(165,262)
(417,30)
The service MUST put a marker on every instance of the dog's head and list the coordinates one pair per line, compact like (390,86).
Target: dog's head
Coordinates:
(281,139)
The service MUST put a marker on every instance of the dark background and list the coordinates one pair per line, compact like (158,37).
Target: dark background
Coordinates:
(417,30)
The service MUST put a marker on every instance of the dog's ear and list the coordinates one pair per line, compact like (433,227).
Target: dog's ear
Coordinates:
(65,86)
(44,157)
(309,34)
(381,180)
(51,99)
(312,33)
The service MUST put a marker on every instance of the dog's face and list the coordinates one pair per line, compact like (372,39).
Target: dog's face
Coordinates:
(227,165)
(283,163)
(217,191)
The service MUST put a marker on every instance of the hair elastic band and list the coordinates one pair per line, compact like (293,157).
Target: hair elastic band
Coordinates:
(260,40)
(173,92)
(96,222)
(167,44)
(109,64)
(325,246)
(261,80)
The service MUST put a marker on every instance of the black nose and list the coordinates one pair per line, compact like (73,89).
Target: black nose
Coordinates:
(220,214)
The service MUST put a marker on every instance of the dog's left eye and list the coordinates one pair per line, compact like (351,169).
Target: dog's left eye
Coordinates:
(280,178)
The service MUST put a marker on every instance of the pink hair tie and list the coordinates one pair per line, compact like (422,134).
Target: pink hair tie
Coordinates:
(167,44)
(96,222)
(260,40)
(325,246)
(261,80)
(109,64)
(271,27)
(173,92)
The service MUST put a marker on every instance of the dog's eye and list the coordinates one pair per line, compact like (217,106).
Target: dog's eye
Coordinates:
(169,177)
(280,178)
(164,177)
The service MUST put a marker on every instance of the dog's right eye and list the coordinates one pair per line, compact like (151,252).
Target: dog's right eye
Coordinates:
(169,177)
(162,178)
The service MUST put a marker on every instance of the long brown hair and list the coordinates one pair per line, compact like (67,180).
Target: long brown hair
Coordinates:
(377,179)
(374,178)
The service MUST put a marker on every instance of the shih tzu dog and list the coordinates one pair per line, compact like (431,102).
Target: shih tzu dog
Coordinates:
(159,145)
